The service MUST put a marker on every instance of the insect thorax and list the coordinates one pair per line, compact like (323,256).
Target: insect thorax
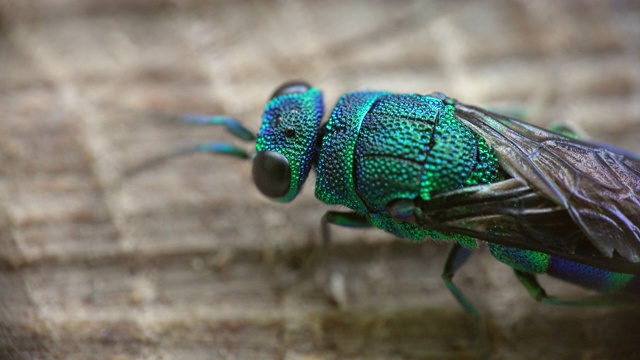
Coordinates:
(379,147)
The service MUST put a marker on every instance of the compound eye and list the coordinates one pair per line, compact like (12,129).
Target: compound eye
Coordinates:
(291,87)
(271,174)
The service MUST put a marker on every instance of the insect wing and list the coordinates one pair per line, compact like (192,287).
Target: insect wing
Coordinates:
(511,213)
(600,187)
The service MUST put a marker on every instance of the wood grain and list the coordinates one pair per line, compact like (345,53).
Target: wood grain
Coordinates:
(188,261)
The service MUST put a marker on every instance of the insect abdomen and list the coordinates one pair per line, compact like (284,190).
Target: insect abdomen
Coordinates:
(535,262)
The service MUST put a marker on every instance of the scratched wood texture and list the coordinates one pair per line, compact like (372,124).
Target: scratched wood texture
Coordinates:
(188,261)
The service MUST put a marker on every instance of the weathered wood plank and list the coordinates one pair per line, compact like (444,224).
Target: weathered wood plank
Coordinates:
(187,260)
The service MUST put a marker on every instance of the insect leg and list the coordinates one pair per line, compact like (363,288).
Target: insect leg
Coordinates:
(457,257)
(530,282)
(341,218)
(336,284)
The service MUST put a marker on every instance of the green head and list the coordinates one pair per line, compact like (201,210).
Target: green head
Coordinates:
(286,145)
(287,141)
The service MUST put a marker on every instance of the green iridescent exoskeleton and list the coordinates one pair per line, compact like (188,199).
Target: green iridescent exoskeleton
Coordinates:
(428,167)
(289,127)
(380,148)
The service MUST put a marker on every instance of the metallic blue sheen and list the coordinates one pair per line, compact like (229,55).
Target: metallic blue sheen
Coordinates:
(588,276)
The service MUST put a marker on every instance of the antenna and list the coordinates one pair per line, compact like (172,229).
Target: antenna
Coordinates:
(231,125)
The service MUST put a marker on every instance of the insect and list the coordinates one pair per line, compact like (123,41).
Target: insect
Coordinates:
(427,166)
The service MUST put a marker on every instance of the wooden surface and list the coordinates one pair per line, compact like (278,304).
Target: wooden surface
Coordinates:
(188,261)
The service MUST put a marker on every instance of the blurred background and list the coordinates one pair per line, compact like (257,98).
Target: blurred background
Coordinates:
(188,261)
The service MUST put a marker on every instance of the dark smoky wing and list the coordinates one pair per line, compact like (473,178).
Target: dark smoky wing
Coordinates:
(599,187)
(513,214)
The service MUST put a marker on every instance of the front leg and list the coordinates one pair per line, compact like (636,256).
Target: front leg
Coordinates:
(350,219)
(341,218)
(336,286)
